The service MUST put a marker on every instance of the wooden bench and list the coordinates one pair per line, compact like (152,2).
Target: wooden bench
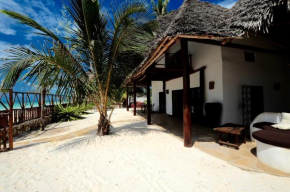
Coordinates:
(231,130)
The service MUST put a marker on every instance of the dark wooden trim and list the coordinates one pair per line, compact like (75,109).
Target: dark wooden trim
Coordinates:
(238,46)
(10,133)
(202,91)
(148,100)
(135,102)
(186,93)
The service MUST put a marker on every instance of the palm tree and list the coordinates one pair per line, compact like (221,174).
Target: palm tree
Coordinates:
(90,59)
(160,9)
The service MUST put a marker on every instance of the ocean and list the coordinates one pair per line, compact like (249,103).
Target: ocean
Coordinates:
(18,106)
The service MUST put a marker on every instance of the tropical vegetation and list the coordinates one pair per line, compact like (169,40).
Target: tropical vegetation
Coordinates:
(69,113)
(160,8)
(98,50)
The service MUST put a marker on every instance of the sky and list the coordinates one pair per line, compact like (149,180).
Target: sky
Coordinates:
(49,14)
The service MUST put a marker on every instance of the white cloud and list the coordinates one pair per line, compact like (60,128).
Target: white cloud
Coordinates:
(228,3)
(3,46)
(44,12)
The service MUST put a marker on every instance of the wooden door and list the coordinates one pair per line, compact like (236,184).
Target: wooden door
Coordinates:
(253,103)
(161,102)
(177,103)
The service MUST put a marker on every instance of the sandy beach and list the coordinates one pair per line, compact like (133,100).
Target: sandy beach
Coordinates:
(133,158)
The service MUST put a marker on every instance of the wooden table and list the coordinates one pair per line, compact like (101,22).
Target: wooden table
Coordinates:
(236,131)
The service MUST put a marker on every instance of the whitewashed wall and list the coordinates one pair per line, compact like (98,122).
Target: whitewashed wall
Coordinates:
(177,84)
(157,86)
(228,69)
(267,70)
(202,55)
(209,56)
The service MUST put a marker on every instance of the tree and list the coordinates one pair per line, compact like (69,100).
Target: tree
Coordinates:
(89,61)
(160,9)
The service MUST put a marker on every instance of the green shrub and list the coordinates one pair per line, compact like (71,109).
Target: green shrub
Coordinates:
(69,113)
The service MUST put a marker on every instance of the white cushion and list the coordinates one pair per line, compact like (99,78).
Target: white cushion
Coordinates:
(285,123)
(285,118)
(284,126)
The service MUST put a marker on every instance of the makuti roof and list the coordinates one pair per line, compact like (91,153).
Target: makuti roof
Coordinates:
(200,18)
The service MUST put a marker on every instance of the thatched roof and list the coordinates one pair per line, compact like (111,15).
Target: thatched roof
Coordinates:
(200,18)
(194,17)
(255,15)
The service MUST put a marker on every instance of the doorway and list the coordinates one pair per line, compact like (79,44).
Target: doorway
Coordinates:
(196,103)
(253,103)
(177,103)
(162,102)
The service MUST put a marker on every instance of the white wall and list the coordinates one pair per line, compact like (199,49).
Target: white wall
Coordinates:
(157,86)
(268,69)
(177,84)
(138,99)
(202,55)
(209,56)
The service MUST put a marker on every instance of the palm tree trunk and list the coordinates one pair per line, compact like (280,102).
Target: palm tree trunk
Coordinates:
(104,125)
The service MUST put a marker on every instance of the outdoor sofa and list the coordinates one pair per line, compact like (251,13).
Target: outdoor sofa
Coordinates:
(273,144)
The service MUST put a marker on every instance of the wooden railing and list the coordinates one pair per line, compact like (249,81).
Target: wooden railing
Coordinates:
(18,107)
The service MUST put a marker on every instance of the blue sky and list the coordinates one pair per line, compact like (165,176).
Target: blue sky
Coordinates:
(48,13)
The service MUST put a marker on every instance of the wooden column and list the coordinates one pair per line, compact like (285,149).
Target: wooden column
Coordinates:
(23,109)
(42,108)
(202,92)
(148,100)
(164,91)
(43,103)
(10,119)
(135,102)
(186,93)
(127,97)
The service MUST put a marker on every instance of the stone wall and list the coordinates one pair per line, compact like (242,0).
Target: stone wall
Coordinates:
(31,125)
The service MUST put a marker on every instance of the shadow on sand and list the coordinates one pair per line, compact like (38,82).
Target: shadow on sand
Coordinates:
(130,129)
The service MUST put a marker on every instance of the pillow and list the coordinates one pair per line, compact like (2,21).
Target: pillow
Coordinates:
(285,118)
(284,126)
(285,123)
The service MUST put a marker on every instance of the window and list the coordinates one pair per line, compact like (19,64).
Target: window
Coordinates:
(250,56)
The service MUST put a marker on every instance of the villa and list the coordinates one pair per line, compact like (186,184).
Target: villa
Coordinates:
(204,54)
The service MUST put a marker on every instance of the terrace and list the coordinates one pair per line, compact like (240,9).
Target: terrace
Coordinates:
(205,139)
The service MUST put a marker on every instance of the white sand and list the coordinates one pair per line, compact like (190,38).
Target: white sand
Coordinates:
(133,158)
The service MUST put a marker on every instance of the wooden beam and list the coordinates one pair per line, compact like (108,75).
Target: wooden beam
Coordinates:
(135,102)
(206,37)
(202,91)
(148,100)
(157,55)
(42,107)
(186,93)
(237,46)
(10,131)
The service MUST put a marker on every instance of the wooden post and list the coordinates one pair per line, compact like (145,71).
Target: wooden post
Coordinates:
(52,102)
(11,119)
(148,100)
(43,92)
(127,97)
(23,108)
(164,91)
(202,92)
(42,109)
(186,93)
(135,102)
